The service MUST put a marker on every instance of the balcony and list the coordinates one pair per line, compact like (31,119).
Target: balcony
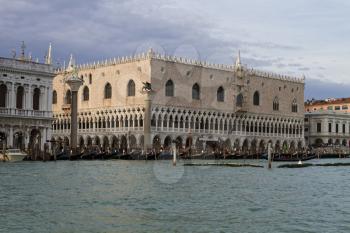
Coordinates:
(25,113)
(66,107)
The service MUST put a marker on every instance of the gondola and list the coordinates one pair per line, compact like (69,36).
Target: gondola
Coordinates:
(289,158)
(165,155)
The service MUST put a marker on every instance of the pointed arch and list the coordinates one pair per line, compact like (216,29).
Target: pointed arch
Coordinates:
(294,106)
(276,104)
(68,97)
(108,91)
(54,97)
(256,98)
(196,91)
(86,94)
(131,88)
(239,100)
(169,88)
(220,94)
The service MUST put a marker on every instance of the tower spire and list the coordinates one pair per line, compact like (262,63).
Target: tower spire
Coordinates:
(49,56)
(238,60)
(71,63)
(23,47)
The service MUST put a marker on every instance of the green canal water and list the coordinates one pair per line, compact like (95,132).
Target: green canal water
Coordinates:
(139,196)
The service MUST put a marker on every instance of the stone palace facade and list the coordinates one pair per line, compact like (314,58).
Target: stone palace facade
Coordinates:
(25,102)
(195,103)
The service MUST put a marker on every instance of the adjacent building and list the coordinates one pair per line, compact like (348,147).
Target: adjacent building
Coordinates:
(196,103)
(25,102)
(327,122)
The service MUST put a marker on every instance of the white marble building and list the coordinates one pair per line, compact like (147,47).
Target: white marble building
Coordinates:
(233,106)
(327,127)
(25,102)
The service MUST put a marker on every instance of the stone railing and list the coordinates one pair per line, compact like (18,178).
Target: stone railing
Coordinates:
(24,113)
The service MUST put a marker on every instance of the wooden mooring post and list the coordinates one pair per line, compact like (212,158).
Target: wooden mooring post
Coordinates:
(269,156)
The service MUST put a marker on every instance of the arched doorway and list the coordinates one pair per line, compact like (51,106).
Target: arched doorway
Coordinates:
(278,147)
(227,145)
(292,148)
(3,139)
(300,146)
(330,141)
(66,141)
(318,142)
(89,141)
(97,141)
(253,147)
(189,142)
(35,143)
(115,143)
(142,141)
(344,142)
(262,147)
(132,142)
(156,143)
(18,140)
(167,143)
(178,143)
(81,142)
(105,144)
(245,146)
(285,147)
(236,146)
(123,143)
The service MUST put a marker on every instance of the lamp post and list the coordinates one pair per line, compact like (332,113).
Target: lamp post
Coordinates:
(74,83)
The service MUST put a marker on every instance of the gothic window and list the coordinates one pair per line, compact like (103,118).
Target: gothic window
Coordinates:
(86,93)
(196,92)
(54,97)
(19,97)
(169,88)
(131,88)
(3,94)
(294,106)
(239,100)
(220,94)
(256,98)
(90,78)
(276,104)
(36,99)
(68,97)
(108,91)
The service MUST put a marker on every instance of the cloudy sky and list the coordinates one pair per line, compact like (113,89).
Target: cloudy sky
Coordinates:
(299,37)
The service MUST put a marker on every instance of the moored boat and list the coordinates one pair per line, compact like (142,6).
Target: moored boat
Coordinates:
(13,155)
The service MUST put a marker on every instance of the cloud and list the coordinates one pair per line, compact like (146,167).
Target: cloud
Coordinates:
(269,36)
(321,89)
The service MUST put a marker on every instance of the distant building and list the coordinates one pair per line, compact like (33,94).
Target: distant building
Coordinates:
(25,102)
(330,104)
(228,106)
(327,122)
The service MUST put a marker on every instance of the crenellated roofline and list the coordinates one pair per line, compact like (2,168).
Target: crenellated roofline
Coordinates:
(163,57)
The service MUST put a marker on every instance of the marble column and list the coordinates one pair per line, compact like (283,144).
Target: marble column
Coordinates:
(147,122)
(10,138)
(74,119)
